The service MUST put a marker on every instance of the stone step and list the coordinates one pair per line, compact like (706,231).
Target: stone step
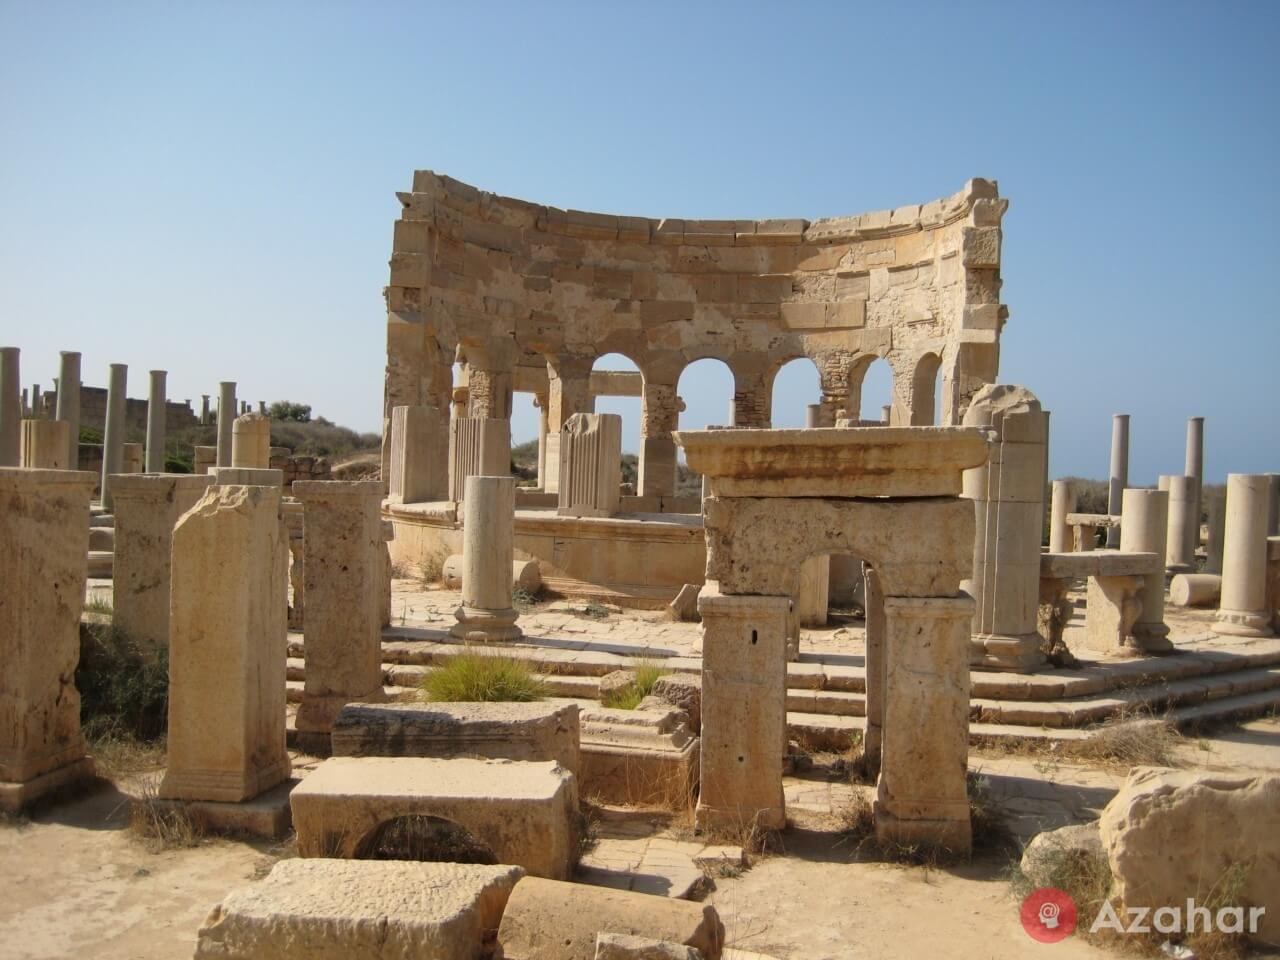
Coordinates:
(827,702)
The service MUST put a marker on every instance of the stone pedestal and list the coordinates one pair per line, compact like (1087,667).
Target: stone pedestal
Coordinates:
(1179,549)
(1061,537)
(815,587)
(1114,604)
(156,422)
(1217,529)
(477,447)
(227,647)
(114,431)
(921,796)
(344,586)
(131,458)
(45,445)
(1008,495)
(251,442)
(590,465)
(487,553)
(744,712)
(1119,472)
(45,528)
(226,420)
(11,407)
(204,459)
(1145,528)
(147,506)
(419,465)
(247,476)
(1243,610)
(68,404)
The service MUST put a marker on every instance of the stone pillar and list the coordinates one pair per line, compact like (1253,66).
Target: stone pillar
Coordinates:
(886,414)
(1243,611)
(1273,505)
(1195,470)
(156,423)
(226,418)
(419,467)
(478,447)
(10,407)
(569,392)
(113,435)
(540,401)
(873,738)
(44,445)
(590,465)
(131,458)
(1145,530)
(660,412)
(1119,472)
(147,506)
(262,407)
(1008,497)
(45,528)
(921,795)
(487,553)
(813,597)
(813,415)
(204,409)
(1217,527)
(204,459)
(251,442)
(1178,555)
(37,404)
(227,647)
(68,404)
(344,548)
(744,712)
(1063,503)
(297,563)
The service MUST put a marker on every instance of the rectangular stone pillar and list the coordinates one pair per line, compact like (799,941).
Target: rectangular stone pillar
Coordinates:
(227,647)
(204,459)
(147,506)
(873,738)
(815,585)
(477,448)
(921,796)
(45,445)
(744,711)
(657,466)
(345,585)
(44,526)
(419,467)
(590,465)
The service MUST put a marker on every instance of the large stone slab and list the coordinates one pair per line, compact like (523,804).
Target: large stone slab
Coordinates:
(525,813)
(543,730)
(648,756)
(348,909)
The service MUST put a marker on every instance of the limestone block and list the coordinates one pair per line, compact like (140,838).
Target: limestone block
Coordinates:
(1113,605)
(132,462)
(419,455)
(345,582)
(685,604)
(147,506)
(812,597)
(343,909)
(205,459)
(622,946)
(477,447)
(539,731)
(526,575)
(251,442)
(1171,834)
(525,813)
(1093,563)
(590,465)
(546,920)
(684,691)
(642,757)
(1195,589)
(247,477)
(1047,851)
(44,525)
(227,647)
(46,445)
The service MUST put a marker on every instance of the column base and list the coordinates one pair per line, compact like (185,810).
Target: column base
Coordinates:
(1152,637)
(1015,654)
(17,796)
(486,626)
(947,831)
(222,786)
(737,822)
(266,816)
(1243,623)
(317,713)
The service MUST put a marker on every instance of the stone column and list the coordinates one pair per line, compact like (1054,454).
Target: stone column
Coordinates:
(873,738)
(1063,503)
(227,647)
(44,444)
(540,401)
(251,442)
(1243,611)
(226,418)
(156,422)
(10,407)
(147,506)
(1195,470)
(590,465)
(813,415)
(1217,528)
(1178,556)
(1145,530)
(204,409)
(45,527)
(478,447)
(113,435)
(568,392)
(68,404)
(921,795)
(37,402)
(1008,498)
(661,410)
(1273,505)
(131,458)
(1119,472)
(813,597)
(744,712)
(487,553)
(419,465)
(343,546)
(886,414)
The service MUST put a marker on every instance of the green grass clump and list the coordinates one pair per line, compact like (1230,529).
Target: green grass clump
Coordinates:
(479,677)
(124,688)
(629,697)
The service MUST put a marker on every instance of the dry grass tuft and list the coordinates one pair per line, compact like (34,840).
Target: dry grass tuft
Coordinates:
(1134,738)
(481,677)
(646,674)
(161,824)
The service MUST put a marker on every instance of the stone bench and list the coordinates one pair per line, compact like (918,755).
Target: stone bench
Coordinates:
(1086,526)
(1112,603)
(525,813)
(307,909)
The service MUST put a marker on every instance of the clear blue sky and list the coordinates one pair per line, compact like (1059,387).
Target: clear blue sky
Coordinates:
(209,188)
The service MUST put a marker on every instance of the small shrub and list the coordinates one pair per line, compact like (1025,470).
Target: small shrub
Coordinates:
(481,677)
(594,610)
(524,600)
(163,825)
(1133,739)
(645,675)
(124,694)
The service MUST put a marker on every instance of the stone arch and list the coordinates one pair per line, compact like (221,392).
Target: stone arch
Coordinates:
(925,392)
(800,380)
(713,370)
(867,397)
(630,407)
(423,837)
